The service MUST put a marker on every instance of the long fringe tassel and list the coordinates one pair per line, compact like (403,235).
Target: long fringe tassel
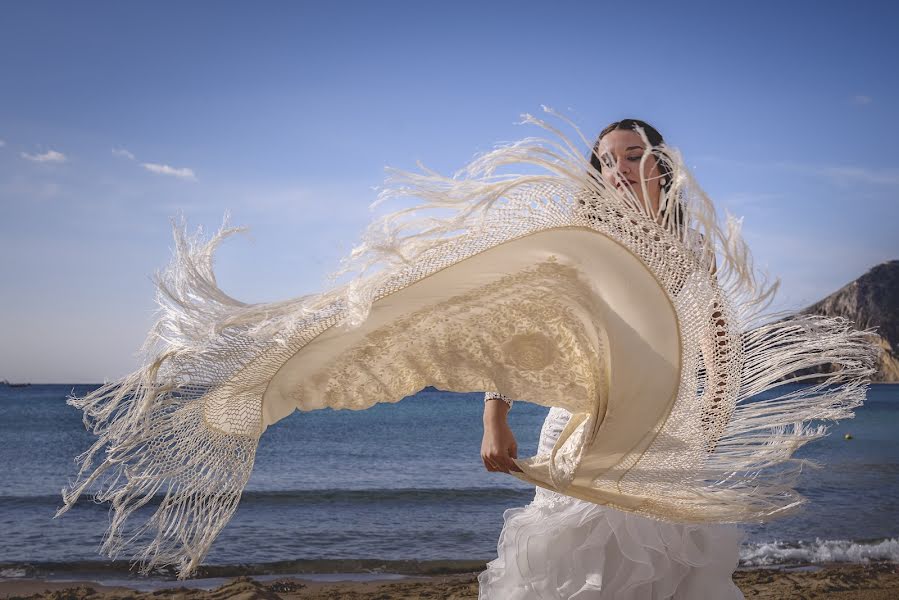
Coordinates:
(154,444)
(749,473)
(180,432)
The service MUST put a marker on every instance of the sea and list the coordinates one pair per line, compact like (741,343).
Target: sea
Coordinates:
(399,487)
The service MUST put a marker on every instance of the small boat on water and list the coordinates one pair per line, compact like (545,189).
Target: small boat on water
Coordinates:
(15,385)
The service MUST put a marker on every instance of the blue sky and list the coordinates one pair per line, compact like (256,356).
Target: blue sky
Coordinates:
(114,116)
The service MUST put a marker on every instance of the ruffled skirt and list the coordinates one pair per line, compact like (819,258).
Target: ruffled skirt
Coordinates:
(559,547)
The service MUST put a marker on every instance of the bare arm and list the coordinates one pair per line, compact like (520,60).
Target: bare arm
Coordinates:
(498,446)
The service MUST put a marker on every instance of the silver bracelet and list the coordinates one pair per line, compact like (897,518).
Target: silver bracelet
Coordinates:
(496,396)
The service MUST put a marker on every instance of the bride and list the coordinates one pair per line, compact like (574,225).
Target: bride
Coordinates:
(545,274)
(561,547)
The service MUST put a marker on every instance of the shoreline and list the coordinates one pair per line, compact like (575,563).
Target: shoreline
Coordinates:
(846,581)
(774,555)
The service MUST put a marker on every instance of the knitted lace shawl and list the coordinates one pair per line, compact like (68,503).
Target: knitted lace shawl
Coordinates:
(525,273)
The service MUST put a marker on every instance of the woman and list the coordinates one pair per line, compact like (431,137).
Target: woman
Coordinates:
(562,547)
(546,286)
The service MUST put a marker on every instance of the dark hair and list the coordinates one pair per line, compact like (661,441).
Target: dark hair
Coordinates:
(653,136)
(655,140)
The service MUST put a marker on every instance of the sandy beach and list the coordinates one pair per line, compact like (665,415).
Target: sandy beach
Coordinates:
(878,581)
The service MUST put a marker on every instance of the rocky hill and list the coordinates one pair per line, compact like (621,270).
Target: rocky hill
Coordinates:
(872,300)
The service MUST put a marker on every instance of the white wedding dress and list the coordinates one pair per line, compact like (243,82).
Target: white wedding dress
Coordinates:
(558,547)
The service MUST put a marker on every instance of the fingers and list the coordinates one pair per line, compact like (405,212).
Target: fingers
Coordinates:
(500,463)
(514,454)
(499,450)
(490,464)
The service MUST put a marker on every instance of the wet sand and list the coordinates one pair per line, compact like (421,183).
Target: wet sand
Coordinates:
(845,582)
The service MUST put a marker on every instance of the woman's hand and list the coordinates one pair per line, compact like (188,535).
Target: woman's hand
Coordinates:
(498,446)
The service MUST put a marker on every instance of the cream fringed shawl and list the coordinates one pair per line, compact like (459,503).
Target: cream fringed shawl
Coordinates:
(548,286)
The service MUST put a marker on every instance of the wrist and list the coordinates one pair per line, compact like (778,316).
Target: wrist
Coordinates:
(488,396)
(495,411)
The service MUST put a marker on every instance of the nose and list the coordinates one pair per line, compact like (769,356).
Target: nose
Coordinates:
(623,166)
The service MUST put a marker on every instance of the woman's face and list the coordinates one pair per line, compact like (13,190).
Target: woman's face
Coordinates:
(621,152)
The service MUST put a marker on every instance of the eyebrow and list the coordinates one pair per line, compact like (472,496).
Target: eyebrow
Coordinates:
(629,148)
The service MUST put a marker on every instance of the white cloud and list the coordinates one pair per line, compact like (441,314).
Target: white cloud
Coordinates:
(2,143)
(48,156)
(755,199)
(123,153)
(862,100)
(184,173)
(839,173)
(848,174)
(883,176)
(811,268)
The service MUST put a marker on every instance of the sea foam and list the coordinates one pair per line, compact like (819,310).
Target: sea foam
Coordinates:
(819,551)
